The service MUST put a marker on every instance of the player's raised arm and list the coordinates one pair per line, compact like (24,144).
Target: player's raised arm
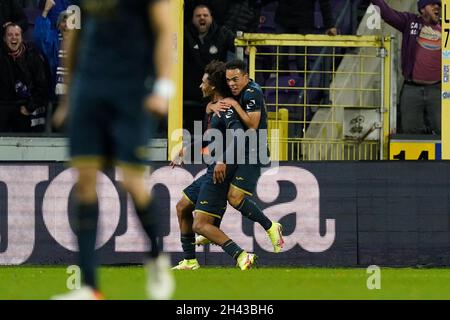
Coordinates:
(164,88)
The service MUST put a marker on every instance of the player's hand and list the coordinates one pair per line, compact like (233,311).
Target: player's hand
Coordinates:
(156,104)
(60,115)
(220,171)
(218,107)
(228,103)
(178,159)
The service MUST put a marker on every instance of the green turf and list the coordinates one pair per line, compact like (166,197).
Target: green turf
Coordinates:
(230,283)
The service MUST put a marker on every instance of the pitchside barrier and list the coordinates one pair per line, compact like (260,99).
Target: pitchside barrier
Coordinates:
(333,214)
(415,147)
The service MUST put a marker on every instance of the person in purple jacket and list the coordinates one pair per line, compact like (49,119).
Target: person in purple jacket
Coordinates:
(420,103)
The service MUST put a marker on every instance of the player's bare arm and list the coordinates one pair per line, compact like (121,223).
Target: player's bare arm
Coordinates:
(250,119)
(164,89)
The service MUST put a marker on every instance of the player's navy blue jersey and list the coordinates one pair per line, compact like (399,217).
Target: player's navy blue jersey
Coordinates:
(228,119)
(251,99)
(116,42)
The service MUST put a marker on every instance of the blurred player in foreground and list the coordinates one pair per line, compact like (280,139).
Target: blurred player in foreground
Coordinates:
(119,79)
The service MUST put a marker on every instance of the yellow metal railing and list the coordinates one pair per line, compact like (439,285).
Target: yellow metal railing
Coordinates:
(277,127)
(175,116)
(350,119)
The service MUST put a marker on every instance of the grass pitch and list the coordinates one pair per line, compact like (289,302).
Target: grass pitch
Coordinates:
(230,283)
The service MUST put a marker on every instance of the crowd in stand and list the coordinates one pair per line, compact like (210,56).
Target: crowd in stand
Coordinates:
(211,26)
(32,71)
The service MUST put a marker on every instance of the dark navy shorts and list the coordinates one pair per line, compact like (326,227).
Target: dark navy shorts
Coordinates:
(246,177)
(207,197)
(192,191)
(109,122)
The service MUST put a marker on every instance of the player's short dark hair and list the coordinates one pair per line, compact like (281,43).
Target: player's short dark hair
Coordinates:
(237,64)
(216,77)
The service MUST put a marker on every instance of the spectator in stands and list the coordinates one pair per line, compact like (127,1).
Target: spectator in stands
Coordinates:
(420,102)
(204,41)
(49,37)
(297,17)
(54,13)
(23,84)
(12,12)
(219,9)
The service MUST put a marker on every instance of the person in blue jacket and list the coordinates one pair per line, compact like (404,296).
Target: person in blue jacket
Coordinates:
(48,34)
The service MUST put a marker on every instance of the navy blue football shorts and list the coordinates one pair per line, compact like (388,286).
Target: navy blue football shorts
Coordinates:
(109,123)
(245,178)
(207,197)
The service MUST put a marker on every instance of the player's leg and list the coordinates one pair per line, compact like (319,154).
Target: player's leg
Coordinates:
(88,144)
(161,284)
(241,201)
(211,205)
(187,236)
(86,208)
(204,225)
(239,193)
(185,208)
(87,220)
(132,131)
(210,200)
(185,216)
(134,184)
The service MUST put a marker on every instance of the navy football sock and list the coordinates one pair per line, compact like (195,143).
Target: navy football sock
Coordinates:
(149,221)
(86,230)
(250,209)
(232,249)
(188,244)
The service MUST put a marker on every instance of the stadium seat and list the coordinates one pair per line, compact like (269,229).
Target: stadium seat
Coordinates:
(285,96)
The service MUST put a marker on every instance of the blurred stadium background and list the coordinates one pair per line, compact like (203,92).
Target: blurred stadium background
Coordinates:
(344,198)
